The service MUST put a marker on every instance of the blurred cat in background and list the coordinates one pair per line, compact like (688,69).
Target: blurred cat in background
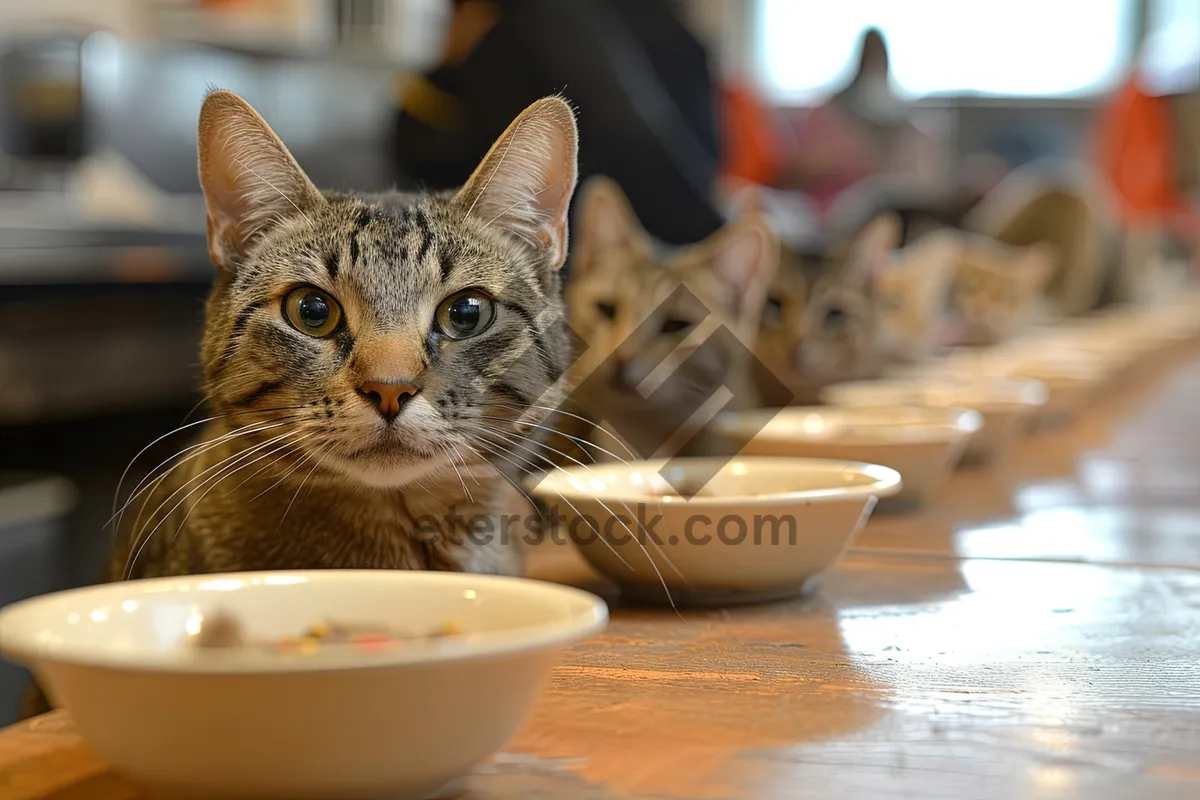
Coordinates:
(663,330)
(1064,205)
(998,290)
(912,296)
(820,324)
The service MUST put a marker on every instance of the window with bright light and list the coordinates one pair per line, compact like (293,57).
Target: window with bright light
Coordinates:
(1171,56)
(1015,48)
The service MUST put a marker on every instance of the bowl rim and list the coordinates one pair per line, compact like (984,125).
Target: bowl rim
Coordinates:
(1030,392)
(19,640)
(887,482)
(954,423)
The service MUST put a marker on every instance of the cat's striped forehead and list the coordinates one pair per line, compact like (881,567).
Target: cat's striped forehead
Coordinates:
(390,259)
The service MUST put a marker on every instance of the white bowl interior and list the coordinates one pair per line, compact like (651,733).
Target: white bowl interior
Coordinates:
(740,480)
(980,392)
(857,424)
(149,624)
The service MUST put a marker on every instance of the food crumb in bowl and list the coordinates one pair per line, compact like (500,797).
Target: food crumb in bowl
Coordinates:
(222,630)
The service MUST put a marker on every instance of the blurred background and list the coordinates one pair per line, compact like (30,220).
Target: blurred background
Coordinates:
(103,264)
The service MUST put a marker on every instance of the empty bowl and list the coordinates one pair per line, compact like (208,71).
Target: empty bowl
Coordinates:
(1006,404)
(922,443)
(706,531)
(1072,378)
(400,721)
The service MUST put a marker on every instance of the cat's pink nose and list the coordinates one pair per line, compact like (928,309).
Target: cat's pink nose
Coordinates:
(388,396)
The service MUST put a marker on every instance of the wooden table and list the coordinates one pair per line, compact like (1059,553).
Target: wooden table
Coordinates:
(1035,634)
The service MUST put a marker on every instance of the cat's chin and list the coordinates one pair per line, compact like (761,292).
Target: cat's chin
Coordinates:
(379,474)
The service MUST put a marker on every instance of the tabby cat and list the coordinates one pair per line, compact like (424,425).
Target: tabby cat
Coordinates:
(821,320)
(911,296)
(365,359)
(999,290)
(667,333)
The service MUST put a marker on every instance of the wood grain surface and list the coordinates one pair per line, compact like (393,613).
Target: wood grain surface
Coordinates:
(1032,634)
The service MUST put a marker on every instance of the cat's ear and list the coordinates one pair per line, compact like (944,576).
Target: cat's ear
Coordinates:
(250,180)
(1038,264)
(743,256)
(746,200)
(524,184)
(872,249)
(606,221)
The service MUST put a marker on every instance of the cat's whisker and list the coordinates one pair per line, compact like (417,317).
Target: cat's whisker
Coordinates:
(576,439)
(217,482)
(595,426)
(221,465)
(286,473)
(511,482)
(194,409)
(117,493)
(514,441)
(149,482)
(454,466)
(496,452)
(625,505)
(303,481)
(459,454)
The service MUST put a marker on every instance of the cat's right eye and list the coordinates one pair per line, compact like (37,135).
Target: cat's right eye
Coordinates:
(607,310)
(312,311)
(675,325)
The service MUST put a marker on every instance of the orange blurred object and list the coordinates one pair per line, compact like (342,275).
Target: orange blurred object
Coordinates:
(752,150)
(1135,150)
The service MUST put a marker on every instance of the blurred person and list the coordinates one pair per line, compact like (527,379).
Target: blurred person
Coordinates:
(638,78)
(866,129)
(1135,146)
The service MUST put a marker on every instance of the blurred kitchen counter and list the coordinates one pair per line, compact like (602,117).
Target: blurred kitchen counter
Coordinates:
(97,321)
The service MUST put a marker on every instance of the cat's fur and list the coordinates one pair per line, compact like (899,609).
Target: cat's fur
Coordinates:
(999,290)
(1065,205)
(820,324)
(299,469)
(1057,209)
(911,295)
(663,329)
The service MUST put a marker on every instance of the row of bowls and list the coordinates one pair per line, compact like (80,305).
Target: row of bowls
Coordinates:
(807,478)
(407,724)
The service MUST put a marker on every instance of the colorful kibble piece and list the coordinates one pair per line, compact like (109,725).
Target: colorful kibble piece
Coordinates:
(374,643)
(221,630)
(288,644)
(449,629)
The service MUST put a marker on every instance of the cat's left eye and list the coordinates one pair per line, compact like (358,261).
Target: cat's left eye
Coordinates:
(772,316)
(465,314)
(675,325)
(312,311)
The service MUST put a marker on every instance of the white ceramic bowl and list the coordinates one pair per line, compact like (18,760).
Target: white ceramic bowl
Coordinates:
(1006,404)
(248,723)
(760,529)
(922,443)
(1071,377)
